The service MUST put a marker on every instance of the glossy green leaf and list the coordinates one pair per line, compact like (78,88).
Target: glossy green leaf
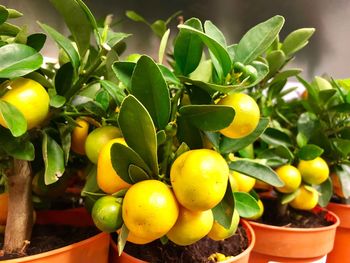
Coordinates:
(64,43)
(276,60)
(162,46)
(79,24)
(142,139)
(258,39)
(262,69)
(231,49)
(149,87)
(188,48)
(287,198)
(137,174)
(4,14)
(161,137)
(17,60)
(223,211)
(103,98)
(326,191)
(211,30)
(285,75)
(8,29)
(343,146)
(326,95)
(14,13)
(203,72)
(57,101)
(307,124)
(168,75)
(91,185)
(159,27)
(208,117)
(297,40)
(64,79)
(122,157)
(245,204)
(309,152)
(343,172)
(94,108)
(228,145)
(188,134)
(257,170)
(276,137)
(36,41)
(223,65)
(13,118)
(65,136)
(211,87)
(45,82)
(123,71)
(53,158)
(16,147)
(113,90)
(114,38)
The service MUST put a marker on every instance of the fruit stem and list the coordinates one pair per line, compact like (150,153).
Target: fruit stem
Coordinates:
(19,222)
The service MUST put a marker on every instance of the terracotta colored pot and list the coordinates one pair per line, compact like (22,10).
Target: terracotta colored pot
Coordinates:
(292,245)
(241,258)
(341,252)
(91,250)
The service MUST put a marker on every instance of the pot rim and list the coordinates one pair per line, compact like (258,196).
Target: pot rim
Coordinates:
(58,250)
(248,250)
(340,205)
(299,229)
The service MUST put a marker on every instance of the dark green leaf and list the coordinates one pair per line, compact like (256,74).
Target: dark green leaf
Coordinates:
(342,145)
(102,98)
(113,89)
(208,117)
(223,211)
(341,108)
(326,95)
(223,65)
(64,43)
(53,158)
(137,174)
(13,118)
(189,134)
(45,82)
(276,137)
(122,157)
(143,139)
(297,40)
(169,76)
(4,14)
(257,170)
(16,147)
(123,71)
(161,137)
(258,39)
(65,135)
(285,75)
(79,24)
(8,29)
(309,152)
(149,87)
(36,41)
(95,108)
(188,48)
(211,87)
(214,138)
(245,204)
(326,191)
(228,145)
(276,60)
(18,60)
(64,79)
(91,185)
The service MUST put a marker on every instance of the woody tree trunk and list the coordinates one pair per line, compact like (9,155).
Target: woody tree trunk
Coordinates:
(20,212)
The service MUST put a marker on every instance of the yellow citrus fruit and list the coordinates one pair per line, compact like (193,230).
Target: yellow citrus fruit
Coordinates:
(337,187)
(291,178)
(191,226)
(247,115)
(133,238)
(261,211)
(98,138)
(199,179)
(245,183)
(79,135)
(107,178)
(306,199)
(315,171)
(3,207)
(218,232)
(233,182)
(150,209)
(30,98)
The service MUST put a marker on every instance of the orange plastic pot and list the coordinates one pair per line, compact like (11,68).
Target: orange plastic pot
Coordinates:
(92,250)
(341,252)
(241,258)
(293,245)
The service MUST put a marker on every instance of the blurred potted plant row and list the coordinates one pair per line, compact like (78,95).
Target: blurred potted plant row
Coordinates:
(192,156)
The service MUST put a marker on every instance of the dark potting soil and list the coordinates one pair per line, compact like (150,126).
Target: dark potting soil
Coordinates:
(292,217)
(49,237)
(156,252)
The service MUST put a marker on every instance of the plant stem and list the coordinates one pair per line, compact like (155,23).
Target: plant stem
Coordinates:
(83,78)
(20,214)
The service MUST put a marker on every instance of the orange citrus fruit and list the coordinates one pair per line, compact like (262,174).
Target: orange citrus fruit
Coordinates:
(291,178)
(79,135)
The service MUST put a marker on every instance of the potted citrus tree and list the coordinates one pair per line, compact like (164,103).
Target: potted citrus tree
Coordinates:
(167,175)
(40,103)
(326,107)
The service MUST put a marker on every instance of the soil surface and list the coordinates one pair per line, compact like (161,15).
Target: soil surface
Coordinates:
(199,252)
(292,217)
(49,237)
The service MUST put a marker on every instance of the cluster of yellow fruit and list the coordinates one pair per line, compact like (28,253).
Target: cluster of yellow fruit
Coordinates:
(300,179)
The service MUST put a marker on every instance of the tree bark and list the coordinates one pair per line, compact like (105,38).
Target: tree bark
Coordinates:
(20,212)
